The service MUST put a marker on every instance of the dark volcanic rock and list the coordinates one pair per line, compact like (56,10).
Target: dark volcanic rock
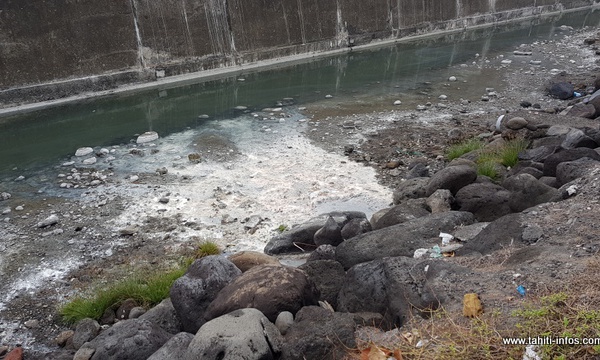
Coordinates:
(406,211)
(270,289)
(328,276)
(395,286)
(133,339)
(487,201)
(193,292)
(527,191)
(577,138)
(356,227)
(319,333)
(561,90)
(583,110)
(570,170)
(329,234)
(500,233)
(452,178)
(399,240)
(241,334)
(567,155)
(410,189)
(175,348)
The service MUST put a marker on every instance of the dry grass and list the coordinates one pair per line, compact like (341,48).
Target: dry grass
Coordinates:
(564,311)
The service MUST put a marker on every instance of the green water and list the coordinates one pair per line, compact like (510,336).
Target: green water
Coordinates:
(34,140)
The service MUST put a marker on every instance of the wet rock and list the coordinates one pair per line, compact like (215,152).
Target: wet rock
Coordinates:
(4,196)
(355,227)
(561,90)
(194,158)
(164,200)
(323,252)
(452,178)
(175,348)
(192,293)
(319,333)
(86,330)
(303,235)
(49,221)
(19,208)
(32,324)
(397,102)
(83,151)
(163,315)
(329,234)
(399,240)
(487,201)
(411,189)
(241,334)
(328,276)
(284,321)
(440,201)
(246,260)
(147,137)
(270,289)
(162,171)
(137,152)
(89,161)
(133,339)
(129,231)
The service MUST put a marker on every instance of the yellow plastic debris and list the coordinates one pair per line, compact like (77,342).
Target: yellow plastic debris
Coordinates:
(472,306)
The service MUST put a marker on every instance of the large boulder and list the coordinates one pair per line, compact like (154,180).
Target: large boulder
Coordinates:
(395,287)
(553,160)
(399,240)
(538,154)
(165,316)
(570,170)
(501,233)
(411,189)
(319,333)
(582,110)
(328,276)
(356,227)
(405,211)
(527,191)
(487,201)
(270,289)
(329,234)
(577,138)
(193,292)
(175,348)
(303,235)
(244,334)
(452,178)
(86,330)
(246,260)
(132,339)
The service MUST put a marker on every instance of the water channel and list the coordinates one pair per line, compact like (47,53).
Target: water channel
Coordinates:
(33,140)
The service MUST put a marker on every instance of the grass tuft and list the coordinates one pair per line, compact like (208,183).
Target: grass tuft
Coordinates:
(458,150)
(488,168)
(207,248)
(145,290)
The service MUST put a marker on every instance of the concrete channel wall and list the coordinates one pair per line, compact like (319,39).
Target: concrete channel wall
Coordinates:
(51,49)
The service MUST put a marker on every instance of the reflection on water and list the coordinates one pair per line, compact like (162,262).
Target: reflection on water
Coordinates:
(38,139)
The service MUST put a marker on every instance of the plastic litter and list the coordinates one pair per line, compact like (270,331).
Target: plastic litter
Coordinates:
(446,238)
(576,94)
(419,253)
(531,353)
(436,252)
(521,290)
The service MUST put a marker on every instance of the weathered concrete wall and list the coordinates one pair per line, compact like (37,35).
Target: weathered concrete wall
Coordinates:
(43,41)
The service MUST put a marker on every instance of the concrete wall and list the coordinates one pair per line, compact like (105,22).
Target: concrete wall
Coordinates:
(44,41)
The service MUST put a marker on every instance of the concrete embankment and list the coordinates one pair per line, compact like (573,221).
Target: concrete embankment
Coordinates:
(52,51)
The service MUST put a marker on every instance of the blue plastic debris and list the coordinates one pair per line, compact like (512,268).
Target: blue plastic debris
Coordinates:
(521,290)
(576,94)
